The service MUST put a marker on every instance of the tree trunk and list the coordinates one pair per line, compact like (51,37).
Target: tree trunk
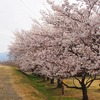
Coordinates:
(32,70)
(62,87)
(84,92)
(44,78)
(38,75)
(47,78)
(52,81)
(59,83)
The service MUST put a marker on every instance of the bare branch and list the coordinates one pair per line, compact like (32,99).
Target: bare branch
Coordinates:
(71,86)
(90,82)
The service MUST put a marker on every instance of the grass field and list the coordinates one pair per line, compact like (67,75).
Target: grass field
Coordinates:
(15,85)
(50,92)
(24,88)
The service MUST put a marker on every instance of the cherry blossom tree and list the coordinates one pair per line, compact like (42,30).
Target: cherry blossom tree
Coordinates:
(78,53)
(66,43)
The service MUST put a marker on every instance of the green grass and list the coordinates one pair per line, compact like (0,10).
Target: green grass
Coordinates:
(49,90)
(53,93)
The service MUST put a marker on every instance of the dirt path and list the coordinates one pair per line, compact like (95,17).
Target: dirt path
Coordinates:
(6,90)
(11,87)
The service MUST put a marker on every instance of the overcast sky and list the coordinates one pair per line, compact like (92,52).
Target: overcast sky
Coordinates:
(16,15)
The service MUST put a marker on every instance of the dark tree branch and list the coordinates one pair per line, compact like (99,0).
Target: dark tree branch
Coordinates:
(74,82)
(88,79)
(91,7)
(71,86)
(77,79)
(90,82)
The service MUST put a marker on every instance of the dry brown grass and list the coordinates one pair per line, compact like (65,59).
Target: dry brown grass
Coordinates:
(6,90)
(11,82)
(93,90)
(16,86)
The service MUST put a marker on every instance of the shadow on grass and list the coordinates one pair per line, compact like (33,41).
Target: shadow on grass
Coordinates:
(49,90)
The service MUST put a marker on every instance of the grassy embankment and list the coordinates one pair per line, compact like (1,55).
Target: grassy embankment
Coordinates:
(50,92)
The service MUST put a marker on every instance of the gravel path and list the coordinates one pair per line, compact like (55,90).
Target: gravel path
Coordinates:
(6,90)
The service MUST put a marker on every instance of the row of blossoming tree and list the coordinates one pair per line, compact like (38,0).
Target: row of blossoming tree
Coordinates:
(65,44)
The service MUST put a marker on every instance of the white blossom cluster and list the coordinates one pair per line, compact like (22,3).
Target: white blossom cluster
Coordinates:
(66,43)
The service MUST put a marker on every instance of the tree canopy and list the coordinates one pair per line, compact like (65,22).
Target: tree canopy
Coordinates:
(65,44)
